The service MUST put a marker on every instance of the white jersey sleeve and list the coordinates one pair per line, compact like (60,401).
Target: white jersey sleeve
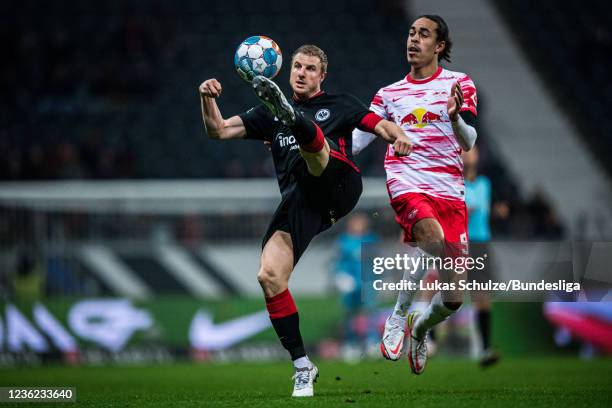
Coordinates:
(362,139)
(378,105)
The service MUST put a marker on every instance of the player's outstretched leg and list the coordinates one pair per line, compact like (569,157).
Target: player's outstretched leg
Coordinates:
(313,146)
(270,94)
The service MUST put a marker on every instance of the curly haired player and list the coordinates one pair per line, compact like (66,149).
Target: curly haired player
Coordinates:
(437,108)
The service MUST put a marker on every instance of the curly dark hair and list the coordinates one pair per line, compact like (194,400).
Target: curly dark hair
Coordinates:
(442,34)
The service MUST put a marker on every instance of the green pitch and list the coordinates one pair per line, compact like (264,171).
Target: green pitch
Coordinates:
(533,382)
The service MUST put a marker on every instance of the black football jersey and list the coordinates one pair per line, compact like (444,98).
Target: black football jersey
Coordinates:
(336,115)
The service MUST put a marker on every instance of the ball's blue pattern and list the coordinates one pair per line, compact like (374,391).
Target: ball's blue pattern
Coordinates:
(252,40)
(246,64)
(267,64)
(270,71)
(270,55)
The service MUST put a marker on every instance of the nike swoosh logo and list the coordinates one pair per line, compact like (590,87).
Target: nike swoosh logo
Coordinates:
(206,335)
(397,348)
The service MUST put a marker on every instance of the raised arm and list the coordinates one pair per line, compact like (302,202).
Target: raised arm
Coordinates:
(464,133)
(215,125)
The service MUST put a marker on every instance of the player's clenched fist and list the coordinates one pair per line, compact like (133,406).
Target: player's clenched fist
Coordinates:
(402,146)
(211,88)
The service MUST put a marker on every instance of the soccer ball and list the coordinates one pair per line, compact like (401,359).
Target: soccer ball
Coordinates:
(258,55)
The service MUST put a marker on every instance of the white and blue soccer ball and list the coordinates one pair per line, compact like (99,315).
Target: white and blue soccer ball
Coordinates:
(258,55)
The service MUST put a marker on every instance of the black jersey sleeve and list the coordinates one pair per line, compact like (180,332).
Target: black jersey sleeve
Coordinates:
(468,117)
(258,122)
(355,110)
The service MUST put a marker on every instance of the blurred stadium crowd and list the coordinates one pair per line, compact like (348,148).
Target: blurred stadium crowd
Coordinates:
(108,90)
(579,34)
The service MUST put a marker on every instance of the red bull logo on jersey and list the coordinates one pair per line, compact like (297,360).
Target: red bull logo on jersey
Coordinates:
(420,118)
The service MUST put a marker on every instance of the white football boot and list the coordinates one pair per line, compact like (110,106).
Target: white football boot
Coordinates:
(272,97)
(392,344)
(304,379)
(417,348)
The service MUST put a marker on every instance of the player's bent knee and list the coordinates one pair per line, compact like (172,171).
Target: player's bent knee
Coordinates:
(316,165)
(270,280)
(266,276)
(316,162)
(433,245)
(429,235)
(315,169)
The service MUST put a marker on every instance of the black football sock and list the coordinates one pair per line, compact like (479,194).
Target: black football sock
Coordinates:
(484,328)
(286,323)
(308,135)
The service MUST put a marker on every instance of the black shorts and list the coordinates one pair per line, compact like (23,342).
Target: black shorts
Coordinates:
(315,203)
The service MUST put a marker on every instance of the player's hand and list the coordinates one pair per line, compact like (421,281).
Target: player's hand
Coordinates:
(211,88)
(402,145)
(455,101)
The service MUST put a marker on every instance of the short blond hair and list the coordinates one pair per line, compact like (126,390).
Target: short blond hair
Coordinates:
(313,51)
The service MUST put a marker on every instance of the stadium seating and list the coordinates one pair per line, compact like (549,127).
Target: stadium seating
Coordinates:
(570,44)
(116,82)
(109,90)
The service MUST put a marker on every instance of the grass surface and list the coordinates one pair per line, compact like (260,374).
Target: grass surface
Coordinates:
(529,382)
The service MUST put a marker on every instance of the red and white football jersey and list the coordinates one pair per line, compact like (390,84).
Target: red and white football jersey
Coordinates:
(420,108)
